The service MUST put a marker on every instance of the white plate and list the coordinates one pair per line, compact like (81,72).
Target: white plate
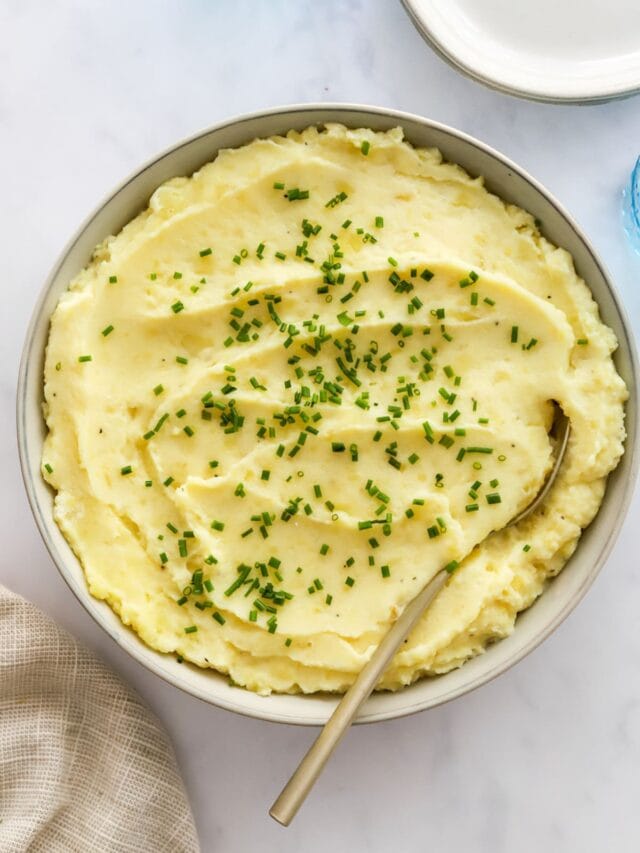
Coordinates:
(548,50)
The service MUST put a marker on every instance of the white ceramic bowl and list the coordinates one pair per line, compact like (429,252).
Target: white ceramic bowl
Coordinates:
(502,177)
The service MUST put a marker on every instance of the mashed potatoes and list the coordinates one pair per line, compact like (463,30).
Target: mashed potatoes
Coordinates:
(303,381)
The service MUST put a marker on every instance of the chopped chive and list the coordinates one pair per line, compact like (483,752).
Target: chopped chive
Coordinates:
(191,629)
(204,252)
(84,358)
(494,498)
(514,334)
(297,194)
(385,571)
(349,581)
(218,617)
(182,360)
(127,469)
(365,147)
(337,199)
(451,567)
(158,390)
(217,525)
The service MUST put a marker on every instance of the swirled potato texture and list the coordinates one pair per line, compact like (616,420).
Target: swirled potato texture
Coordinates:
(303,381)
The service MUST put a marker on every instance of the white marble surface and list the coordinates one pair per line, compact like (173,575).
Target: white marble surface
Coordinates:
(548,756)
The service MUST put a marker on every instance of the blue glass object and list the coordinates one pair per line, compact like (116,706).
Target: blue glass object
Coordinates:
(631,208)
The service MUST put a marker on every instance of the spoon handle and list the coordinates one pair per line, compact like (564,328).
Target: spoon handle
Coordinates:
(295,791)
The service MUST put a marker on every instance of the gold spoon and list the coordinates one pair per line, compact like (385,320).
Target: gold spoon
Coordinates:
(295,791)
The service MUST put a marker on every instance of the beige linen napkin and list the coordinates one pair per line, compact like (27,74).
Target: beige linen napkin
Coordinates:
(84,766)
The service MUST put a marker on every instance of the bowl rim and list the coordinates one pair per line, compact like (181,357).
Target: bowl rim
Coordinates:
(152,659)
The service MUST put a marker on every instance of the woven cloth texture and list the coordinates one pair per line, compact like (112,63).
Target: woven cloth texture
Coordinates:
(84,765)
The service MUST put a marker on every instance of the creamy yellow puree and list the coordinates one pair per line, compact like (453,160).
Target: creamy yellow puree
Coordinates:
(303,381)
